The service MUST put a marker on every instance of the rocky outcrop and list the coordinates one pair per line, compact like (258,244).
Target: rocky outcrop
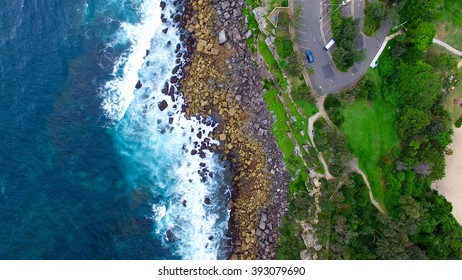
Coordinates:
(222,82)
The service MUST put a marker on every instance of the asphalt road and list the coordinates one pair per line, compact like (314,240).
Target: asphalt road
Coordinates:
(314,31)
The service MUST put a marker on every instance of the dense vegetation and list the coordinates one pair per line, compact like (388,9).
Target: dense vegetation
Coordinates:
(333,146)
(291,243)
(290,60)
(419,222)
(414,82)
(375,13)
(354,229)
(345,31)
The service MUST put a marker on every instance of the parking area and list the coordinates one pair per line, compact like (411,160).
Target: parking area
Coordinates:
(314,32)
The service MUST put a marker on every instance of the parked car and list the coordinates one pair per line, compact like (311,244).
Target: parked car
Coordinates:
(309,55)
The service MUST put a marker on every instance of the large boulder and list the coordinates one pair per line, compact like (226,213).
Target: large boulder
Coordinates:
(162,105)
(222,37)
(201,45)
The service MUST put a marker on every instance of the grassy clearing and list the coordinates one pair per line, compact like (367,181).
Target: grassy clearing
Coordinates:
(280,127)
(453,109)
(449,28)
(370,130)
(441,54)
(308,108)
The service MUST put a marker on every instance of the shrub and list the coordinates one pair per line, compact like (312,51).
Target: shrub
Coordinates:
(459,122)
(284,47)
(294,64)
(375,13)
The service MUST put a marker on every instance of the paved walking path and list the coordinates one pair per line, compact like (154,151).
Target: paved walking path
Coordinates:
(382,47)
(447,46)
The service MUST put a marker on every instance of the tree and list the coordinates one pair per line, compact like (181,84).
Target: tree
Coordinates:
(294,64)
(375,13)
(417,11)
(393,240)
(419,85)
(284,47)
(345,32)
(412,122)
(422,36)
(340,56)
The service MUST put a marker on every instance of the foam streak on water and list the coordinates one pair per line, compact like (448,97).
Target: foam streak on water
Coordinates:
(160,149)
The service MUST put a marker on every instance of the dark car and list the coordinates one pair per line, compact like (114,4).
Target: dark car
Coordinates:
(309,55)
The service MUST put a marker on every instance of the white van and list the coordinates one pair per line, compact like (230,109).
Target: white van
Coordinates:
(329,44)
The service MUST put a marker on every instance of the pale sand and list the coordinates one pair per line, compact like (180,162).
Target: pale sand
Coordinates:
(459,64)
(451,185)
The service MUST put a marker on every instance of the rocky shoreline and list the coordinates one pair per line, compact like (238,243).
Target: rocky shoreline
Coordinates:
(222,82)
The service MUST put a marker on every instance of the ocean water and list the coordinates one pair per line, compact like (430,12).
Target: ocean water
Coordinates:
(90,166)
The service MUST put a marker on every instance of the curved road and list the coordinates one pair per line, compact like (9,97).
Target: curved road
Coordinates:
(314,31)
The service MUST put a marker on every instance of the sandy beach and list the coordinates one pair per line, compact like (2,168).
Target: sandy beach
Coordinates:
(451,185)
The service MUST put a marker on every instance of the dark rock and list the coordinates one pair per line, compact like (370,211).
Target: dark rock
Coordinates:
(162,5)
(165,88)
(171,92)
(175,69)
(162,105)
(165,30)
(138,85)
(171,237)
(174,79)
(207,201)
(185,203)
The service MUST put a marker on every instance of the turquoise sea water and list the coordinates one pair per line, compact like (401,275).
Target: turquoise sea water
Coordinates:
(90,167)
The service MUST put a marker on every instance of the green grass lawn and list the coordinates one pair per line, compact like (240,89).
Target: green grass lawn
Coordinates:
(280,127)
(369,127)
(272,63)
(454,110)
(449,28)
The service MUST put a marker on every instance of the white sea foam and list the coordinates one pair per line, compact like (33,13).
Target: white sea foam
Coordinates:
(118,92)
(157,145)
